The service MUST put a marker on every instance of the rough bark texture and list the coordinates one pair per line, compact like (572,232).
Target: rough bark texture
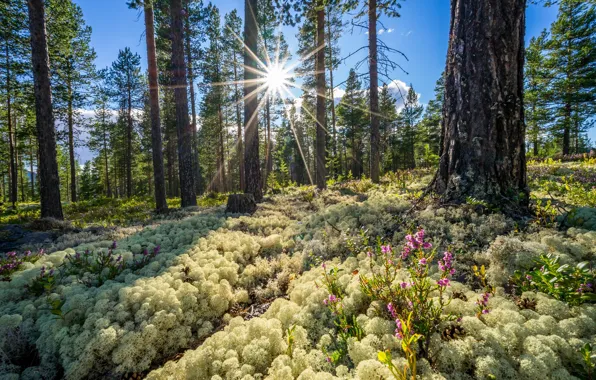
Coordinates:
(252,165)
(11,143)
(239,145)
(241,204)
(156,143)
(71,152)
(321,170)
(483,151)
(183,126)
(373,91)
(46,135)
(332,95)
(193,107)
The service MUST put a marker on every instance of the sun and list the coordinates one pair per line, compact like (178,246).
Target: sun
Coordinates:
(276,78)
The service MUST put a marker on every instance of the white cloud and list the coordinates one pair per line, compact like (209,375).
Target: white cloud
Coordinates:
(381,31)
(408,33)
(338,93)
(390,30)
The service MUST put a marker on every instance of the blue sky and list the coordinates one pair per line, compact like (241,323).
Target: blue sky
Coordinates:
(421,33)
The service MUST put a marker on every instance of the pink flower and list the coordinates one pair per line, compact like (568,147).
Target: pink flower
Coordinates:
(391,310)
(369,254)
(422,261)
(404,285)
(405,252)
(443,282)
(385,249)
(324,266)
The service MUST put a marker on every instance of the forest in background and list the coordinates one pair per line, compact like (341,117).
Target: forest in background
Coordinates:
(108,109)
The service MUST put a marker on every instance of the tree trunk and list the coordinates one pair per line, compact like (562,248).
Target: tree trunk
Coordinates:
(239,149)
(221,172)
(483,153)
(193,108)
(71,152)
(374,91)
(183,126)
(567,129)
(321,116)
(252,164)
(48,167)
(333,118)
(31,169)
(161,204)
(241,204)
(11,142)
(267,140)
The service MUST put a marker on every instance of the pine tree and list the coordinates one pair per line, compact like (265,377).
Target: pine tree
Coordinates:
(572,60)
(233,50)
(388,118)
(372,10)
(102,126)
(536,94)
(46,137)
(155,118)
(252,169)
(430,125)
(71,58)
(353,117)
(14,60)
(127,89)
(483,150)
(408,120)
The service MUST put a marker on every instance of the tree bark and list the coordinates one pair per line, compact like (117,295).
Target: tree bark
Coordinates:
(48,167)
(161,204)
(193,107)
(333,117)
(321,180)
(239,148)
(31,169)
(374,91)
(11,142)
(268,163)
(71,152)
(483,152)
(183,126)
(252,164)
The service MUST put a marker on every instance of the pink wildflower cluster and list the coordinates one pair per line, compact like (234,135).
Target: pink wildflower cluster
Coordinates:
(446,265)
(398,324)
(331,300)
(415,242)
(483,304)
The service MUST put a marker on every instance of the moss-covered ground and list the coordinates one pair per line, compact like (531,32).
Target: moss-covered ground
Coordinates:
(199,294)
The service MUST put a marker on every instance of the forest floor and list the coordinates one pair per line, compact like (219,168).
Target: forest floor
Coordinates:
(311,286)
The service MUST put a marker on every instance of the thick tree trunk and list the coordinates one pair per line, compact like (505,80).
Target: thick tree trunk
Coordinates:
(193,107)
(333,118)
(183,126)
(320,169)
(373,91)
(31,169)
(483,153)
(268,163)
(48,167)
(241,204)
(239,148)
(252,164)
(71,152)
(221,171)
(161,204)
(11,142)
